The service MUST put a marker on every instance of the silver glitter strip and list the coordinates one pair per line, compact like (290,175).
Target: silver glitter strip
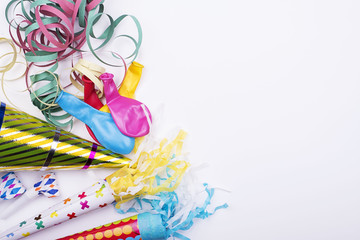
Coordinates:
(52,150)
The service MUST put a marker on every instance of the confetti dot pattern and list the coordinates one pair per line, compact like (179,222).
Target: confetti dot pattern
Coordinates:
(108,234)
(126,229)
(89,237)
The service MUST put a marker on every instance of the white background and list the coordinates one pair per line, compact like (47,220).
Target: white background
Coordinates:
(269,93)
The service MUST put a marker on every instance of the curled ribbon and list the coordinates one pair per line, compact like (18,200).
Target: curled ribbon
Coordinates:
(44,98)
(50,31)
(49,27)
(92,71)
(10,187)
(14,53)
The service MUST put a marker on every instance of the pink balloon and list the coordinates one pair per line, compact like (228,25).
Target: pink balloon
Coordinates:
(132,117)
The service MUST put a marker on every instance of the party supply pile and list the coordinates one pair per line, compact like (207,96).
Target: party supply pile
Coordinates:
(47,36)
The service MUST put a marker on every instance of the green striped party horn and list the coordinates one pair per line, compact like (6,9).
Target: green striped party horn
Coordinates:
(28,143)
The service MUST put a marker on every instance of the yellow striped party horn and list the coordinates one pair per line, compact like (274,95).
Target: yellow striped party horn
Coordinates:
(28,143)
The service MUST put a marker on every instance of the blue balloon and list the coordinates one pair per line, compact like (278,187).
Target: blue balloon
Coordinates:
(101,123)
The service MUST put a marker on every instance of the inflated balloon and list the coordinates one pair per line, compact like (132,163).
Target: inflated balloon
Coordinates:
(132,117)
(101,123)
(91,98)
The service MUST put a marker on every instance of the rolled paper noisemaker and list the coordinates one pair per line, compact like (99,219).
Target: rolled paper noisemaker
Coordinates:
(92,72)
(145,226)
(11,187)
(47,186)
(101,123)
(28,143)
(97,196)
(170,213)
(123,185)
(132,117)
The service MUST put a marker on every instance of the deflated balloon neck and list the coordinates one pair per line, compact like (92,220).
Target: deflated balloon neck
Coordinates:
(87,81)
(105,77)
(110,88)
(135,66)
(59,97)
(90,95)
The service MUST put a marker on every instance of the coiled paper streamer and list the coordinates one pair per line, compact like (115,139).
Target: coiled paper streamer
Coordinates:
(92,71)
(7,67)
(45,96)
(46,33)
